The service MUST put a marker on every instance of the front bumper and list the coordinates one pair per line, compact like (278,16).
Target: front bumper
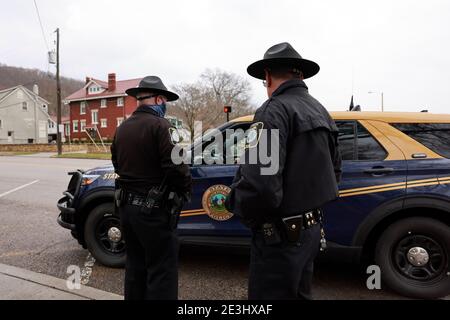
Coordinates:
(66,205)
(66,218)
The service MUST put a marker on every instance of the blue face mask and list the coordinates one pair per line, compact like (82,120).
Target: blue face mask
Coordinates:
(160,109)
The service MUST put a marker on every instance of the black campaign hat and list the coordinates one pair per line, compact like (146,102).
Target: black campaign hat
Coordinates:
(155,85)
(283,54)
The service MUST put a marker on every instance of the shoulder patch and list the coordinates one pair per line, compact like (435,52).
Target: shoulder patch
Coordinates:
(254,135)
(175,136)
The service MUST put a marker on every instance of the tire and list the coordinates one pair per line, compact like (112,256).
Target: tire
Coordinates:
(100,220)
(429,280)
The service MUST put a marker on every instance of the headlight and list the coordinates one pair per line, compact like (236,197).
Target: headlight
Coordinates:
(89,179)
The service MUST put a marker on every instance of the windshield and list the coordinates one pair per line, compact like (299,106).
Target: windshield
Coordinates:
(209,134)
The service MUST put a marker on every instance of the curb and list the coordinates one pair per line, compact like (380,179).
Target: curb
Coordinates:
(56,283)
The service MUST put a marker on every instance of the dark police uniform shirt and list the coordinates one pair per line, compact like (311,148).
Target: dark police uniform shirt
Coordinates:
(141,154)
(310,162)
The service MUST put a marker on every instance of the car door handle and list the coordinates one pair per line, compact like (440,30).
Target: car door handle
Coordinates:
(379,171)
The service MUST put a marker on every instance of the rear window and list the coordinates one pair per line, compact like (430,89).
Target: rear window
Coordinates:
(357,144)
(435,136)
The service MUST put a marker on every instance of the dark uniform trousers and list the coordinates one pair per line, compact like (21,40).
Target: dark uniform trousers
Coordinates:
(152,255)
(283,271)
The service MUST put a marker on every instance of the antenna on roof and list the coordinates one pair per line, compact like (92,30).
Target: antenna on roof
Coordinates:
(354,108)
(352,105)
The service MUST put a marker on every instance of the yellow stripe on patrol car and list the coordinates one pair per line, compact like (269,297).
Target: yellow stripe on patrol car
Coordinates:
(422,181)
(403,186)
(393,186)
(424,184)
(445,181)
(381,186)
(192,213)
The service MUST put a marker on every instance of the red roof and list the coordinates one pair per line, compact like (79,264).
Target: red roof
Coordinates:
(121,87)
(63,119)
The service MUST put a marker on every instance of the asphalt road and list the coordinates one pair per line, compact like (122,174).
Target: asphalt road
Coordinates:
(30,238)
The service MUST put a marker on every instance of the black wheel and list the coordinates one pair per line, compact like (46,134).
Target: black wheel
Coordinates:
(413,255)
(103,235)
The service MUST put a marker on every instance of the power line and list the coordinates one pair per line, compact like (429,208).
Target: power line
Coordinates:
(40,23)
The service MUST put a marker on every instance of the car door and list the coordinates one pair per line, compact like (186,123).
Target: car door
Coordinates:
(373,173)
(206,215)
(429,165)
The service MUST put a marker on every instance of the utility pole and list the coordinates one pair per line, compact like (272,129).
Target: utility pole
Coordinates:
(382,99)
(58,94)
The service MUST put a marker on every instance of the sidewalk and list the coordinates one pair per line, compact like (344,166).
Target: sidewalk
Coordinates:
(21,284)
(48,154)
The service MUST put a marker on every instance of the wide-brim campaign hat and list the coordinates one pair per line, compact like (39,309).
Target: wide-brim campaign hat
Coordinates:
(154,85)
(283,55)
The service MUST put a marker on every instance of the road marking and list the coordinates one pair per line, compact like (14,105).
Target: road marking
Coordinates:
(19,188)
(86,272)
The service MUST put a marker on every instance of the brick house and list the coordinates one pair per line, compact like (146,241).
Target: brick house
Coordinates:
(100,105)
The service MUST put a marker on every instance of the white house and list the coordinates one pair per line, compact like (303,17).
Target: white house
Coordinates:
(24,116)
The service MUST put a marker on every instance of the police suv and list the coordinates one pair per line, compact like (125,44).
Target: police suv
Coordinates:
(393,209)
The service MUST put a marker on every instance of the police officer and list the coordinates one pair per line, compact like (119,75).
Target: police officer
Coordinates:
(141,154)
(284,209)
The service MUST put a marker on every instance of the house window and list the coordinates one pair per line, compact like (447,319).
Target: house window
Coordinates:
(104,123)
(119,121)
(120,102)
(82,125)
(94,116)
(67,127)
(75,126)
(1,124)
(25,106)
(94,89)
(103,103)
(83,107)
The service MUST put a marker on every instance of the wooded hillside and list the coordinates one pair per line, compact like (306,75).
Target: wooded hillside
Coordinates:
(13,76)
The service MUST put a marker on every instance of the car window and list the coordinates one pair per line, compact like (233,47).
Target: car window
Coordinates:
(435,136)
(232,148)
(357,144)
(347,139)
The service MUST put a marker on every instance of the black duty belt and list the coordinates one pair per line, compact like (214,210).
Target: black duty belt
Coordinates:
(291,227)
(137,200)
(303,221)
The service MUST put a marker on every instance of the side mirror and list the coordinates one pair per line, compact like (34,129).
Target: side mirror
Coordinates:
(175,136)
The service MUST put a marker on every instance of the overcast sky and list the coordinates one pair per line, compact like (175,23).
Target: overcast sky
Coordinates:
(401,48)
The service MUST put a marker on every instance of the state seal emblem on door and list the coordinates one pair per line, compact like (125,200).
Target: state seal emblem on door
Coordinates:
(214,203)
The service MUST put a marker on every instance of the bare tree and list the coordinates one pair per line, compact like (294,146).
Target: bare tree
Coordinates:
(191,105)
(205,99)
